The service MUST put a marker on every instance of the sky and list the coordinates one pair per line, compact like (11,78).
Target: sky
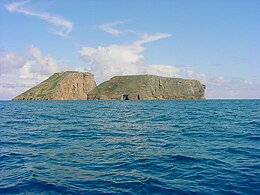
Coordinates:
(216,42)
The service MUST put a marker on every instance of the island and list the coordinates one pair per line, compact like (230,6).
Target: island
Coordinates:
(73,85)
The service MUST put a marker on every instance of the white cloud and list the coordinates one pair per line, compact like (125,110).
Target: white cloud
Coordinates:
(109,61)
(64,25)
(220,87)
(221,80)
(112,28)
(162,70)
(198,76)
(10,61)
(231,87)
(247,82)
(112,60)
(20,72)
(147,38)
(46,65)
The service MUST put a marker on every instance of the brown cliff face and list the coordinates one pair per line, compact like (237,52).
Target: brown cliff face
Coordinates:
(69,85)
(148,87)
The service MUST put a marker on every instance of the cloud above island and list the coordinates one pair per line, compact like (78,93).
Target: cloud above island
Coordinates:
(64,26)
(18,72)
(108,61)
(11,61)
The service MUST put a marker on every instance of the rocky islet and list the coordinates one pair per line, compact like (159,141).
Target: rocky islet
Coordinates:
(74,85)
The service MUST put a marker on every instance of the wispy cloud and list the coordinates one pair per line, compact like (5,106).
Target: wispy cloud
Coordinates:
(112,28)
(147,38)
(64,25)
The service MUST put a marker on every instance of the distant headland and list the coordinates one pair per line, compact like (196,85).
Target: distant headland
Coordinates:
(73,85)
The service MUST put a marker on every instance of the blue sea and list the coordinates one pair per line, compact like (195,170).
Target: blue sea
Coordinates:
(130,147)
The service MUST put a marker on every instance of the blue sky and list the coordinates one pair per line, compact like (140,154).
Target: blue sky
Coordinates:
(216,42)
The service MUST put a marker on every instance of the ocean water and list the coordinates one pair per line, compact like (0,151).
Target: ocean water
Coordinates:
(130,147)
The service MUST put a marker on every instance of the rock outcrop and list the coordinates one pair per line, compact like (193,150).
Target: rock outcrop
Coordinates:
(69,85)
(147,87)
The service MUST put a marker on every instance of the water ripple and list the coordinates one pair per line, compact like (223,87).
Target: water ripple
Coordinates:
(130,147)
